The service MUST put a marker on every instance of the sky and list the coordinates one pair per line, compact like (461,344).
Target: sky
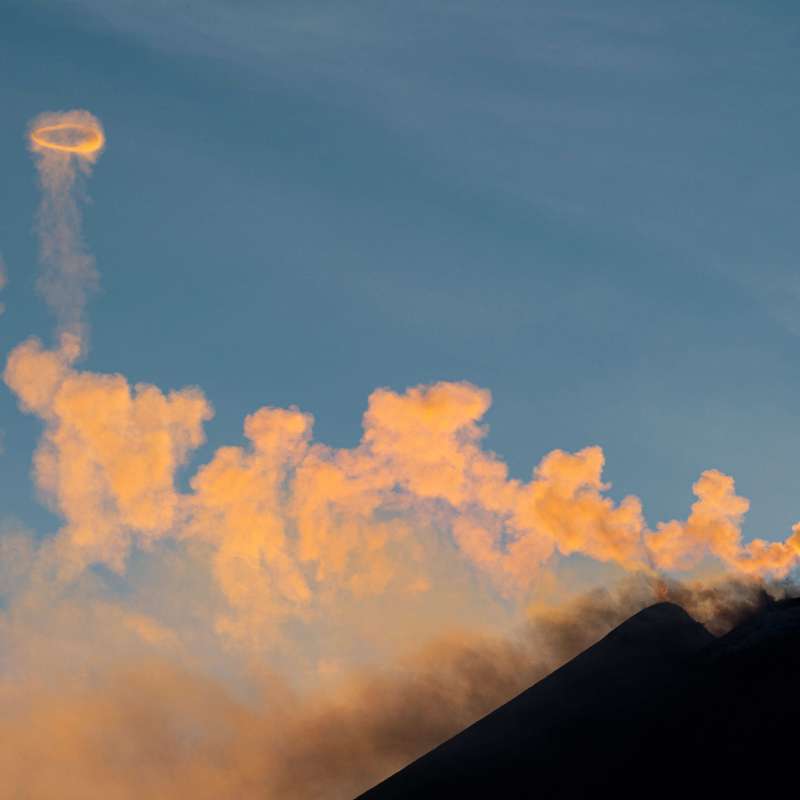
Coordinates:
(588,212)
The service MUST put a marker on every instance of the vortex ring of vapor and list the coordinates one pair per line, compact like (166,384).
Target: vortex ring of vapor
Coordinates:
(92,142)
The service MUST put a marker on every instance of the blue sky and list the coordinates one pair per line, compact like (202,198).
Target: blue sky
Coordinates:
(590,212)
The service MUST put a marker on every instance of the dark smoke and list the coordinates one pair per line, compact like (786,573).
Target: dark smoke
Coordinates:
(157,731)
(387,720)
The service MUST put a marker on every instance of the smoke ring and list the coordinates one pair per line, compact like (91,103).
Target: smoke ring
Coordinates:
(89,139)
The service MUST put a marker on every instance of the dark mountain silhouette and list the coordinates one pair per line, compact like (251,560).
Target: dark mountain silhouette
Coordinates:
(657,708)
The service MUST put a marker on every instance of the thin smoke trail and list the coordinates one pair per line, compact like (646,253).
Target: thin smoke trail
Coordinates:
(65,146)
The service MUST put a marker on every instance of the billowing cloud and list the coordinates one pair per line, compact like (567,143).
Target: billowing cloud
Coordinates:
(294,524)
(109,454)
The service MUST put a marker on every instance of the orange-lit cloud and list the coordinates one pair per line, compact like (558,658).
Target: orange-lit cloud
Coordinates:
(65,146)
(714,527)
(290,523)
(108,457)
(293,523)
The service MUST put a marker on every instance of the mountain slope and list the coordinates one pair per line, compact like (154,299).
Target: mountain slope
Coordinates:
(656,707)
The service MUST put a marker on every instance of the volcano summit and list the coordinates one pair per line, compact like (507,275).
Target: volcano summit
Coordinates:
(659,707)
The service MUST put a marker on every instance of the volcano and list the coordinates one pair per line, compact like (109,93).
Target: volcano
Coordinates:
(659,707)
